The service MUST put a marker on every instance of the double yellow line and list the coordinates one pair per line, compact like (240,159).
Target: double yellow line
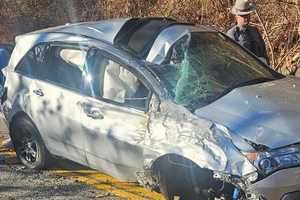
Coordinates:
(103,182)
(130,191)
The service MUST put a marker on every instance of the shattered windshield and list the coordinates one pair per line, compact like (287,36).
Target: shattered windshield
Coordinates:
(201,67)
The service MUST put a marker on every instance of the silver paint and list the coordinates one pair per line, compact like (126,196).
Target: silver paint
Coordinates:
(266,113)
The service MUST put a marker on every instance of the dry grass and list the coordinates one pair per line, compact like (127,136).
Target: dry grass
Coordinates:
(280,18)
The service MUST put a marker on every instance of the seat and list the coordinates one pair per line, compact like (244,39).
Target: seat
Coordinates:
(119,83)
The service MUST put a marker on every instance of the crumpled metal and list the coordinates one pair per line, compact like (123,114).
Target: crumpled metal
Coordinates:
(175,130)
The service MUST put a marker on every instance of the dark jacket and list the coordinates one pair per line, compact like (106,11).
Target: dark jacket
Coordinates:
(249,38)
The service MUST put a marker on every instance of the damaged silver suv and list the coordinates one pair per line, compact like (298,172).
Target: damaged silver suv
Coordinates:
(179,108)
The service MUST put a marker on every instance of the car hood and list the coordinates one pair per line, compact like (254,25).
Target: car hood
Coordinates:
(266,113)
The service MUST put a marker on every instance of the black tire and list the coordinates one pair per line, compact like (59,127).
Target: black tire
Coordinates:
(29,146)
(171,189)
(176,181)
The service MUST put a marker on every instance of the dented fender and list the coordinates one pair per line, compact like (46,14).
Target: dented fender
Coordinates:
(175,130)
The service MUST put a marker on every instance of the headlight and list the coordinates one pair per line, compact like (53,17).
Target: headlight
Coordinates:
(268,162)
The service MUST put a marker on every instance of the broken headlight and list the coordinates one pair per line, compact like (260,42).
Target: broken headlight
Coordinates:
(271,161)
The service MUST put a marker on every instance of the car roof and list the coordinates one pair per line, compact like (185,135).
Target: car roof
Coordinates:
(104,30)
(108,30)
(116,31)
(135,35)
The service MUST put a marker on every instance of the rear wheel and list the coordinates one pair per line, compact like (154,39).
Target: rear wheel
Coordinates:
(28,144)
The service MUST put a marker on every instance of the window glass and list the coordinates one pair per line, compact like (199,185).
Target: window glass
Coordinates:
(109,80)
(73,57)
(119,84)
(61,70)
(201,67)
(32,62)
(56,64)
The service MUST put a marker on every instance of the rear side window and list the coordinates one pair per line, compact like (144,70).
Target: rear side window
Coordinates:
(73,57)
(61,65)
(30,64)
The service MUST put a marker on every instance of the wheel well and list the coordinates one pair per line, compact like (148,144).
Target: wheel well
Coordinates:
(174,159)
(185,176)
(19,115)
(24,125)
(184,169)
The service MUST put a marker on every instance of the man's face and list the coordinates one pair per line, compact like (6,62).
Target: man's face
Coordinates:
(242,20)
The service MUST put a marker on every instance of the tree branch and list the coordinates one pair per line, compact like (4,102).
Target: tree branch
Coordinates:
(267,38)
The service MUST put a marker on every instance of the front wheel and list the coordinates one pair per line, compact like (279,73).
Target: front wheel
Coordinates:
(174,190)
(30,148)
(180,178)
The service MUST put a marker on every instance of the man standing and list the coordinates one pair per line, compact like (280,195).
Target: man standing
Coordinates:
(246,35)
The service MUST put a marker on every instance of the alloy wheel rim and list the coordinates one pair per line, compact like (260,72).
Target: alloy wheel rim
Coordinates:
(29,150)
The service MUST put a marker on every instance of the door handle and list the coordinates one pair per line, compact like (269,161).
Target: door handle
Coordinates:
(38,92)
(94,113)
(90,110)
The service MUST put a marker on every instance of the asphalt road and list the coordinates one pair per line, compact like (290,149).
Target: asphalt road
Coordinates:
(65,180)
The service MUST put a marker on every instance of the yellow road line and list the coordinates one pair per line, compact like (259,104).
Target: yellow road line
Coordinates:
(130,191)
(8,155)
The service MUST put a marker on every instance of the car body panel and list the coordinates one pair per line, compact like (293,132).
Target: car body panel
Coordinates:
(278,184)
(46,111)
(105,30)
(58,107)
(17,95)
(175,130)
(114,138)
(259,111)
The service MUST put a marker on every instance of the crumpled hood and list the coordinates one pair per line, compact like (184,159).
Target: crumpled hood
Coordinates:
(266,113)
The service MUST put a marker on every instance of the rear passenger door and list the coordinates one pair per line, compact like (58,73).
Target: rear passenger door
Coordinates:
(54,97)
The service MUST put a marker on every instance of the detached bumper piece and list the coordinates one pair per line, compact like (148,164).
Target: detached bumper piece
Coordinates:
(291,196)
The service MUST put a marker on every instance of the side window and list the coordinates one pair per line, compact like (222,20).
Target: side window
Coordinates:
(33,61)
(115,83)
(57,64)
(73,57)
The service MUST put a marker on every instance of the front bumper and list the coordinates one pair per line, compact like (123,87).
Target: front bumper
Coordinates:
(282,185)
